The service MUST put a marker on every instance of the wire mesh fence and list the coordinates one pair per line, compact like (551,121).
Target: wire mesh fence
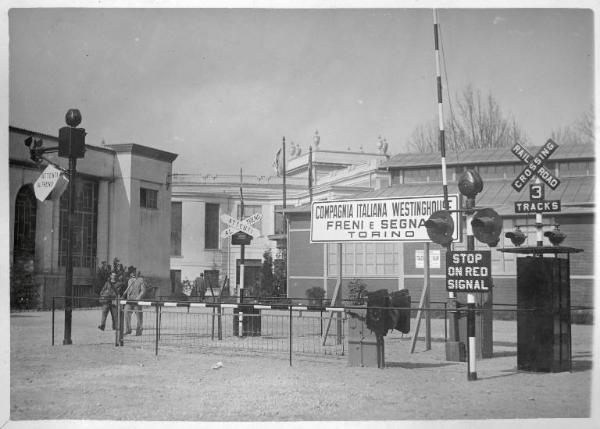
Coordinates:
(283,327)
(284,331)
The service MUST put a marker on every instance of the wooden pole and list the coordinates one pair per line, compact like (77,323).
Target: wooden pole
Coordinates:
(334,298)
(423,303)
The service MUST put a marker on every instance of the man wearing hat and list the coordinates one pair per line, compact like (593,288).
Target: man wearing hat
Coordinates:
(136,289)
(107,295)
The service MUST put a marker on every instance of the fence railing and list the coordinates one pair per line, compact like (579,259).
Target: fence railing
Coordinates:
(284,327)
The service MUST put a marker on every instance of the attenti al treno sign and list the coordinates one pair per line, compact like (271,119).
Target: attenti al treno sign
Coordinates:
(396,219)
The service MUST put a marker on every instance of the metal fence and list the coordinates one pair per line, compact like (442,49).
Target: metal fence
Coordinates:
(282,327)
(251,328)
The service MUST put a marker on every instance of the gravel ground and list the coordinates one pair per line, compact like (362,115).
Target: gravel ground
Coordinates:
(94,380)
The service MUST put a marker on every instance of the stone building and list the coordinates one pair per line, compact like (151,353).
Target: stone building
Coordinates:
(123,211)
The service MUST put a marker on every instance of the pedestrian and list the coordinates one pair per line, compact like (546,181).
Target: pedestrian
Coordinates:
(136,290)
(108,293)
(200,287)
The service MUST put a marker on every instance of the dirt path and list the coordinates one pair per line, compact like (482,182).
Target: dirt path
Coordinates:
(95,380)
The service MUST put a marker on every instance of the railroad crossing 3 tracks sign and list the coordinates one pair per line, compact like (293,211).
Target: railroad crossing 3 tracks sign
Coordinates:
(236,225)
(535,166)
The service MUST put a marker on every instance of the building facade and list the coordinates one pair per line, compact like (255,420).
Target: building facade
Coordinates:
(398,265)
(199,201)
(123,210)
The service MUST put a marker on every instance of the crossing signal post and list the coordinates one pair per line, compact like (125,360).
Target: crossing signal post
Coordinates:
(485,225)
(71,145)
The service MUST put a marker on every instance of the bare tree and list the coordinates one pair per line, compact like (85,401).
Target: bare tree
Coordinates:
(582,131)
(478,123)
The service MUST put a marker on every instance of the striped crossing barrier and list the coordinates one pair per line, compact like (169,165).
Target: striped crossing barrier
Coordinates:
(241,307)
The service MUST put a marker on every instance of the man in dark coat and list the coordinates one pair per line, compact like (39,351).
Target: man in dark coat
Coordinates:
(107,295)
(136,289)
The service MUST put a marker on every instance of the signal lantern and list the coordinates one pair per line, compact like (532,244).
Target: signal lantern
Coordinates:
(487,226)
(440,227)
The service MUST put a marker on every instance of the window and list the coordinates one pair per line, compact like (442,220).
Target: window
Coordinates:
(279,221)
(84,227)
(148,198)
(249,210)
(492,171)
(365,259)
(176,228)
(423,175)
(211,226)
(576,168)
(24,226)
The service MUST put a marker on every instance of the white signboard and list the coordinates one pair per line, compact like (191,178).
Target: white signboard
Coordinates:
(51,183)
(434,258)
(236,225)
(391,219)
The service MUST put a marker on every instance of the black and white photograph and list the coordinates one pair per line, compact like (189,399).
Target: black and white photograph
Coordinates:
(337,214)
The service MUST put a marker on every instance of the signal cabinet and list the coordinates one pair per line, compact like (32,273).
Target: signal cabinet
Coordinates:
(365,348)
(544,317)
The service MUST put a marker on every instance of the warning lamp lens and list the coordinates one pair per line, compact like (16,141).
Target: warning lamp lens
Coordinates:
(487,226)
(470,183)
(440,227)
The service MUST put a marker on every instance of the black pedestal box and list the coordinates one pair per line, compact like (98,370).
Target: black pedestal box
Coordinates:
(544,319)
(250,322)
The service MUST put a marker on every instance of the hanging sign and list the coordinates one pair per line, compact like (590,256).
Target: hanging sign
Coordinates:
(51,184)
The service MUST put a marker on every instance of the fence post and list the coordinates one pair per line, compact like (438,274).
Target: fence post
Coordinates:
(117,342)
(321,318)
(120,328)
(219,328)
(157,330)
(291,343)
(212,331)
(53,308)
(445,322)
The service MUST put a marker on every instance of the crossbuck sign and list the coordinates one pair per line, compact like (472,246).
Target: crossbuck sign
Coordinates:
(236,225)
(535,166)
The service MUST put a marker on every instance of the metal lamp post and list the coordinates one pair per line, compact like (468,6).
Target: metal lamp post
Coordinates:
(71,144)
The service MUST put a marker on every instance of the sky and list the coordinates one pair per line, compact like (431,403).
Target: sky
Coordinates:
(221,87)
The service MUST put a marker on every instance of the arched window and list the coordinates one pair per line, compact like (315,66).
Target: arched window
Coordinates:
(24,226)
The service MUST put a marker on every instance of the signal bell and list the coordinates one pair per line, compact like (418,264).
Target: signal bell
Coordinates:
(440,227)
(517,237)
(487,226)
(556,236)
